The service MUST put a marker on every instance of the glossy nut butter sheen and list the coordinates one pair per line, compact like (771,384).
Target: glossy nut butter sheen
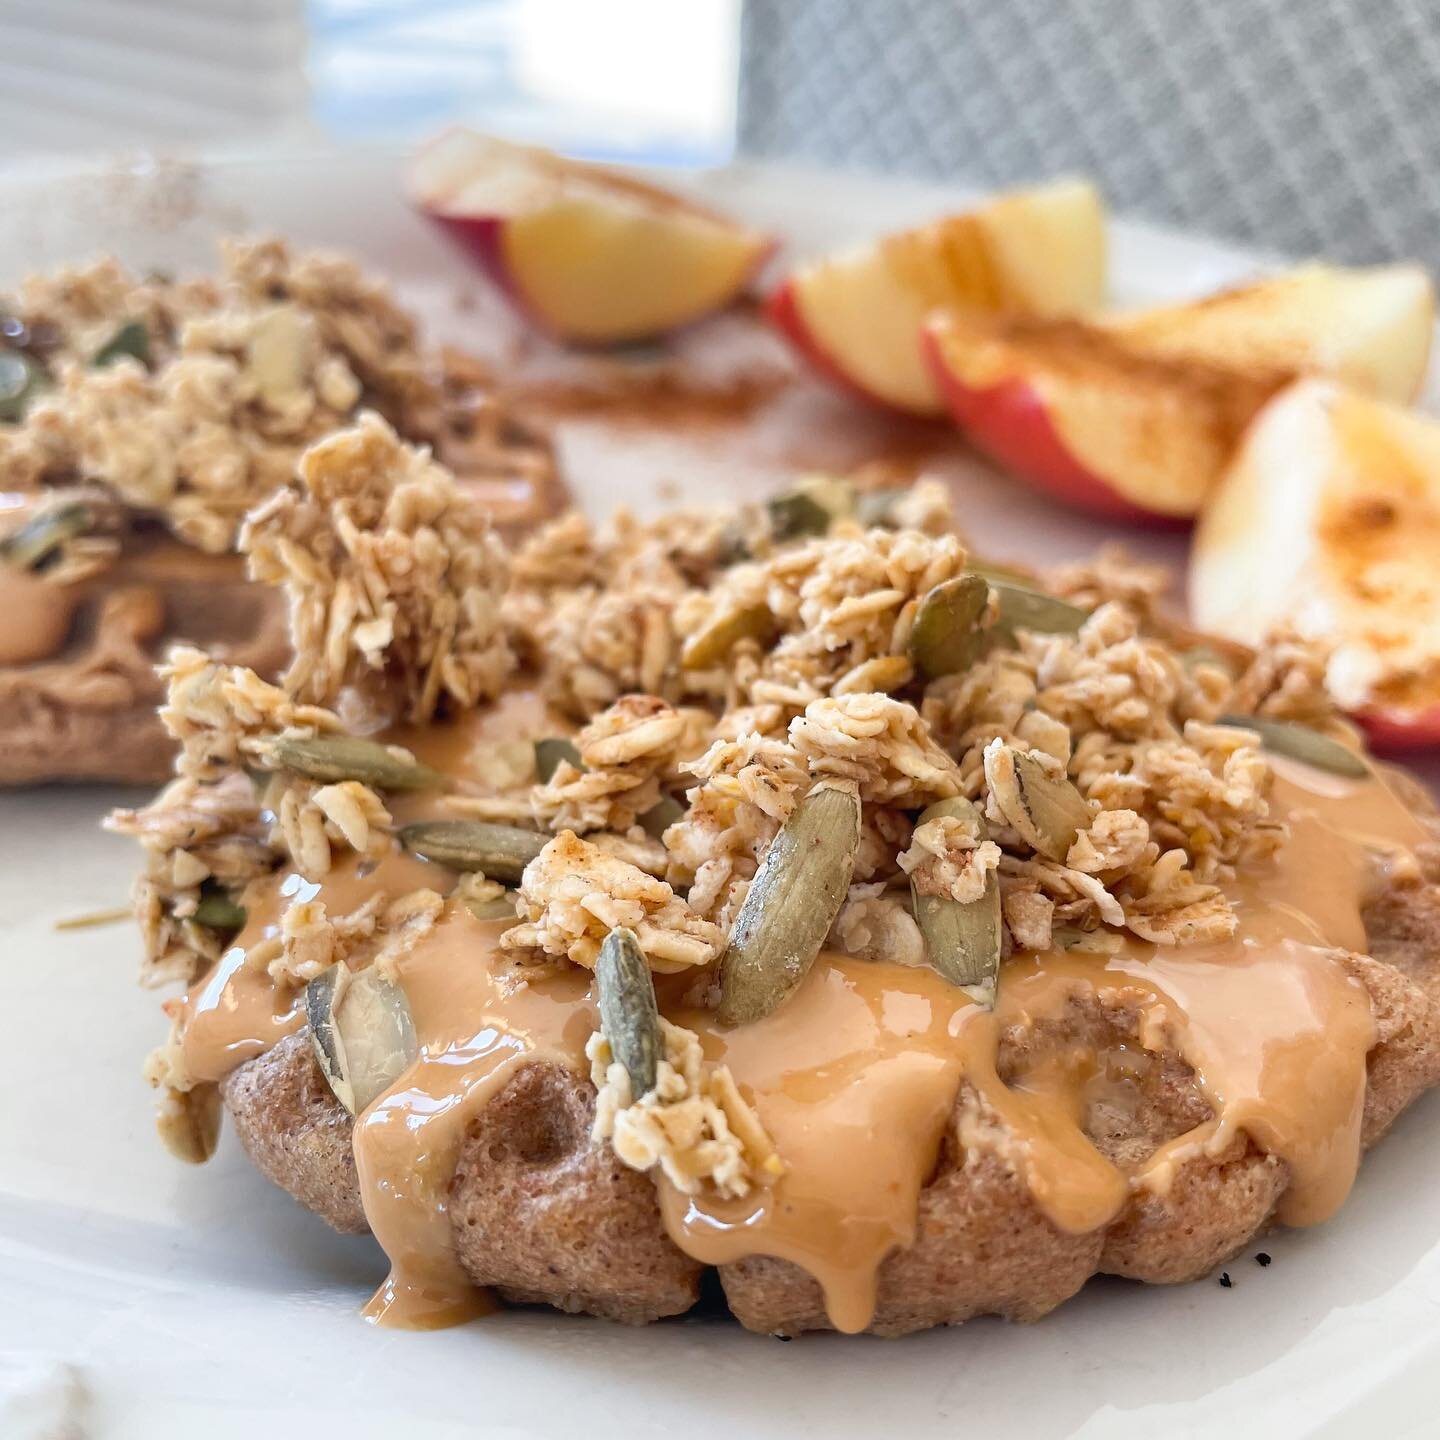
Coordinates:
(856,1076)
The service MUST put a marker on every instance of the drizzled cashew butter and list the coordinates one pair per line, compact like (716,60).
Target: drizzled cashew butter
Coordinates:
(1190,905)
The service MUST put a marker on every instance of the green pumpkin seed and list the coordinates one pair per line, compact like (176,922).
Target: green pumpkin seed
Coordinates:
(1020,607)
(131,340)
(1300,742)
(335,758)
(362,1032)
(217,911)
(501,852)
(947,635)
(629,1019)
(963,938)
(876,508)
(21,380)
(993,571)
(711,644)
(732,546)
(810,507)
(29,547)
(790,906)
(1041,804)
(550,752)
(661,816)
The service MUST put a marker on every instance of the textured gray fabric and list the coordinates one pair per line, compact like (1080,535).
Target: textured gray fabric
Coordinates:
(1310,126)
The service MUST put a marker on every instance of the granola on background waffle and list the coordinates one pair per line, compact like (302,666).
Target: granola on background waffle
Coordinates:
(141,419)
(788,892)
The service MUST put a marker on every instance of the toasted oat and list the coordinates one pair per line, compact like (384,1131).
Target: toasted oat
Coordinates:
(881,744)
(878,924)
(312,820)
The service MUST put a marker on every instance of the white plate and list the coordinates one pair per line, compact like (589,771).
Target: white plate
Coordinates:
(202,1301)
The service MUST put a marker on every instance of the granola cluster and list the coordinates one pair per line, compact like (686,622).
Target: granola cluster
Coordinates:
(694,1126)
(624,754)
(194,399)
(215,393)
(573,894)
(398,570)
(393,576)
(814,647)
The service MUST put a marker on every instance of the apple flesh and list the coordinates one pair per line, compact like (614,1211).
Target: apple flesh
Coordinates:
(590,254)
(1074,411)
(1135,416)
(1327,521)
(856,316)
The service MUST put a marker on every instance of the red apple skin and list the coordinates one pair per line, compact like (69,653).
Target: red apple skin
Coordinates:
(1009,423)
(1396,732)
(782,310)
(482,237)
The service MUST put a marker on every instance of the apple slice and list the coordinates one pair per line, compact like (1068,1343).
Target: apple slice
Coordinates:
(593,255)
(1134,416)
(1369,328)
(856,316)
(1328,520)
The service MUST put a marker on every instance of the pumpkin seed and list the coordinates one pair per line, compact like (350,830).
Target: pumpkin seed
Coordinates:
(993,571)
(21,380)
(810,507)
(501,851)
(550,752)
(217,911)
(30,546)
(790,906)
(714,641)
(1020,607)
(876,508)
(629,1019)
(732,546)
(1037,801)
(362,1032)
(132,339)
(661,816)
(947,637)
(963,937)
(1300,742)
(333,758)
